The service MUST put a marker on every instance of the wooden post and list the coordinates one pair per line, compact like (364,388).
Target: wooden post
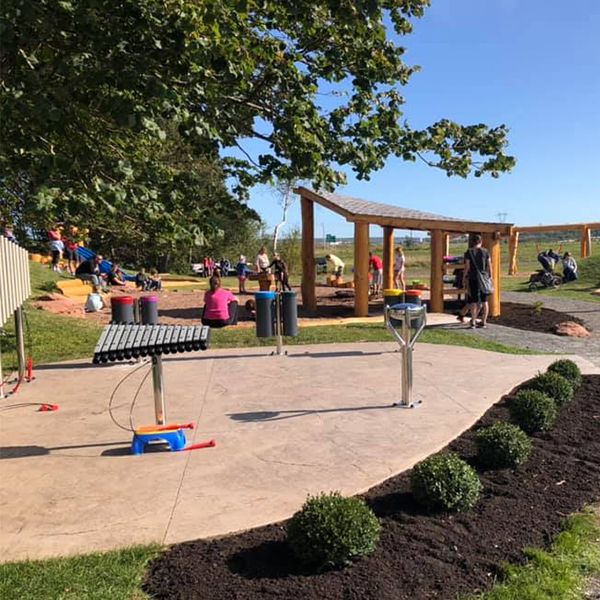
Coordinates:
(309,297)
(491,241)
(513,247)
(446,244)
(586,241)
(388,257)
(436,284)
(361,269)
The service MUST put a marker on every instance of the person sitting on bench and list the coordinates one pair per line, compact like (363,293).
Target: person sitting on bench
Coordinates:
(89,270)
(220,306)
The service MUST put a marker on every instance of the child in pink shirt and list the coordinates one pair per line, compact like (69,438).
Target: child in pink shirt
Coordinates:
(220,306)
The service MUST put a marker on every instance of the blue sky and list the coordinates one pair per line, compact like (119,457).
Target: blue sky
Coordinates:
(531,64)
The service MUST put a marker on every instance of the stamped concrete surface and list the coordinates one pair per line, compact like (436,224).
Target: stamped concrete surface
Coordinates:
(319,419)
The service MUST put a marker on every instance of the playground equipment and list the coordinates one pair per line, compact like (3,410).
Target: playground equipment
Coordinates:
(276,315)
(123,341)
(15,288)
(406,323)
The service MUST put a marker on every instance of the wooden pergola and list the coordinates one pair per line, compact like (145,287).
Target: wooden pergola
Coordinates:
(364,213)
(585,230)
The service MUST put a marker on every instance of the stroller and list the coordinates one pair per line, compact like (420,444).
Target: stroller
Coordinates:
(545,277)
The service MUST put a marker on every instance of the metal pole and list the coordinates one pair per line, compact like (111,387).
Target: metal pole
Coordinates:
(278,324)
(20,342)
(2,396)
(159,390)
(406,358)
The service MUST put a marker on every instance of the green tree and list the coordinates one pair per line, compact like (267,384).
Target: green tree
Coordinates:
(94,91)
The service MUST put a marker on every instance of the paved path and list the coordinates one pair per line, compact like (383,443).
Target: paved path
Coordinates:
(548,342)
(318,420)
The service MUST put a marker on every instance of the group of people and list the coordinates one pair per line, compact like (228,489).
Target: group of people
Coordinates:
(336,266)
(64,244)
(263,265)
(549,259)
(211,267)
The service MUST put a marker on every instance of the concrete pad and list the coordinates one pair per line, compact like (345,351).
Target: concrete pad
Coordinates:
(319,419)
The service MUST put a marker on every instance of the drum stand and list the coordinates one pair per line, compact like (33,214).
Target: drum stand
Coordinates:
(406,339)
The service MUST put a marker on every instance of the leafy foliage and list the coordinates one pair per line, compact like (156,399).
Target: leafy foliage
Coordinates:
(502,445)
(533,410)
(445,482)
(554,385)
(331,530)
(568,369)
(135,114)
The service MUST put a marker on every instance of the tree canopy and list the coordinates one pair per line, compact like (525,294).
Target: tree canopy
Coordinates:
(116,109)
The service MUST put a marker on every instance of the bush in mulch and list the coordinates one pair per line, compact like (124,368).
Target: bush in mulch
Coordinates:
(331,531)
(554,385)
(502,445)
(569,370)
(533,411)
(420,555)
(445,482)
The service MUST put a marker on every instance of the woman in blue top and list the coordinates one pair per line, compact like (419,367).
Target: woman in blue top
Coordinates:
(242,271)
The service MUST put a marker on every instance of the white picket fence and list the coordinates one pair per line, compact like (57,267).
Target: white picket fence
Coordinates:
(15,284)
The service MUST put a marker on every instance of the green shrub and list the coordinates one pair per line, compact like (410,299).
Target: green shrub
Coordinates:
(533,410)
(502,445)
(554,385)
(446,482)
(568,369)
(331,530)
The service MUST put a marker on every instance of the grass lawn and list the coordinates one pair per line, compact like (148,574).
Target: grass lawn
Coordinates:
(556,574)
(560,572)
(113,575)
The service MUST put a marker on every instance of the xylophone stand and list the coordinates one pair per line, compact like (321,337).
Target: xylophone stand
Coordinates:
(279,325)
(159,390)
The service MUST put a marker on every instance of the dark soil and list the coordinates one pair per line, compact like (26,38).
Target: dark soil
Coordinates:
(523,316)
(420,556)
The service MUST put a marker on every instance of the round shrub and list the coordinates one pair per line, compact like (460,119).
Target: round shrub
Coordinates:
(331,530)
(445,482)
(533,410)
(554,385)
(502,445)
(568,369)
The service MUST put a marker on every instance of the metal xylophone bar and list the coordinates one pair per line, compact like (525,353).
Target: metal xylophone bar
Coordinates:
(126,341)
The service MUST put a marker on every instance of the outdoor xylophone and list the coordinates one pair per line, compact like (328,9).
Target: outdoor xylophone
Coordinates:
(126,341)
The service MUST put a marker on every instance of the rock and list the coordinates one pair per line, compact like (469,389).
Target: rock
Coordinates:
(596,292)
(50,297)
(571,329)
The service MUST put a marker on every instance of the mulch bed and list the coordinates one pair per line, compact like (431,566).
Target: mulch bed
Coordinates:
(419,556)
(523,316)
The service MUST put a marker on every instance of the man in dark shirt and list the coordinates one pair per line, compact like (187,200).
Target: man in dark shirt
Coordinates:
(477,262)
(89,270)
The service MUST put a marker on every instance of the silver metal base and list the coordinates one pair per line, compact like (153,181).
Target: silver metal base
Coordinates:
(411,405)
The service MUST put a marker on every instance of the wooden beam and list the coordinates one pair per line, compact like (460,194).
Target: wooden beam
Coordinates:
(567,227)
(586,241)
(309,297)
(446,244)
(388,258)
(436,284)
(432,225)
(361,269)
(513,248)
(492,243)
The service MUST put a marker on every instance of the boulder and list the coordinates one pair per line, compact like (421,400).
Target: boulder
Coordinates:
(571,329)
(596,292)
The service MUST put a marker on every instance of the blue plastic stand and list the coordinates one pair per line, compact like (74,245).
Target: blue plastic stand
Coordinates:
(175,439)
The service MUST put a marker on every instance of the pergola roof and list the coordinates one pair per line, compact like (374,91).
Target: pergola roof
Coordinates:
(358,210)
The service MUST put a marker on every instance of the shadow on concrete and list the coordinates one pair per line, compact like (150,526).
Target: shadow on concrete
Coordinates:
(279,415)
(7,452)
